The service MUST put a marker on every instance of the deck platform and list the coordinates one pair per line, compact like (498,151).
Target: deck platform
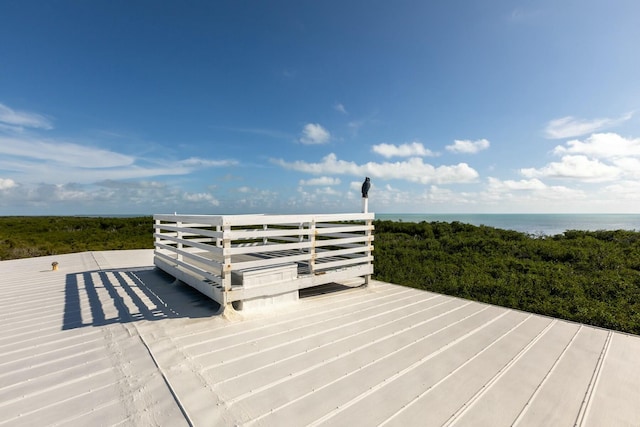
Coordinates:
(109,339)
(241,260)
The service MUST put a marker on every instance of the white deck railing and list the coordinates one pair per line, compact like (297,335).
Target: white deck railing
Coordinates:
(214,252)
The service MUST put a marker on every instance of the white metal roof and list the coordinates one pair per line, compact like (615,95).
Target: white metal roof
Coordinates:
(107,339)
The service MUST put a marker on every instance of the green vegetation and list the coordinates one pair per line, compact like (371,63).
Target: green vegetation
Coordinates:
(24,237)
(588,277)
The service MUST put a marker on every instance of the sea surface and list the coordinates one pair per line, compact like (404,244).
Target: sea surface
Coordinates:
(533,224)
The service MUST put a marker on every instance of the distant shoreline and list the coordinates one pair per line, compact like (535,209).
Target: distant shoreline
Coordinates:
(533,224)
(538,224)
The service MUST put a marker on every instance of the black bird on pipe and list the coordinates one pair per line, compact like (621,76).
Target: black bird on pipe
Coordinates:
(365,188)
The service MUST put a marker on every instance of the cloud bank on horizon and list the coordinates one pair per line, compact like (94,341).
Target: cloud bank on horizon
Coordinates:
(285,129)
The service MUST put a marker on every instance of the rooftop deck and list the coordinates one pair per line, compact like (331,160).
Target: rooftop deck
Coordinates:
(109,339)
(264,260)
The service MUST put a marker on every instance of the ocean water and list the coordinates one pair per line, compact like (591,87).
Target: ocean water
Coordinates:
(534,224)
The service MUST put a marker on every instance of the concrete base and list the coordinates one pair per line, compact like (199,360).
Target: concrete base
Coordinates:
(264,277)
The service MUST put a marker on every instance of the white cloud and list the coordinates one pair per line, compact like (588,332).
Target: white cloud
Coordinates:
(323,180)
(569,126)
(357,186)
(51,173)
(575,167)
(599,158)
(467,146)
(530,194)
(602,146)
(201,197)
(328,191)
(340,108)
(413,170)
(401,198)
(259,201)
(129,197)
(313,133)
(511,185)
(206,163)
(355,125)
(6,183)
(12,117)
(47,160)
(403,150)
(629,166)
(624,189)
(63,153)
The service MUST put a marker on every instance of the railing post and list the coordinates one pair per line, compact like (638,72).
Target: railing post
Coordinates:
(226,258)
(157,233)
(301,235)
(369,223)
(312,246)
(265,240)
(180,246)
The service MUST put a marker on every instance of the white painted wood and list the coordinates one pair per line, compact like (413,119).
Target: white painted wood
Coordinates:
(186,274)
(316,243)
(270,261)
(189,231)
(343,241)
(193,243)
(209,220)
(186,268)
(239,293)
(238,220)
(268,247)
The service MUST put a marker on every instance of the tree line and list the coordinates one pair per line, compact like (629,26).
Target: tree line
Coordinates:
(25,237)
(591,277)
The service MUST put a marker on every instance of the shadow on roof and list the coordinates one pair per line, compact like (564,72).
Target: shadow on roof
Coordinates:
(328,288)
(103,297)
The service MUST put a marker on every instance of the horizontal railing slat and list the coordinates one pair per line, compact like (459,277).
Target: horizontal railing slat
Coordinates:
(194,243)
(204,273)
(339,242)
(198,219)
(343,263)
(238,220)
(216,266)
(192,231)
(260,233)
(270,261)
(258,249)
(351,229)
(341,252)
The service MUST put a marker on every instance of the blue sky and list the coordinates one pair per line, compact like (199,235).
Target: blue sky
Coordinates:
(142,107)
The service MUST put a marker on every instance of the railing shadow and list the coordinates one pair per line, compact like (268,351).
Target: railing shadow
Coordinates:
(103,297)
